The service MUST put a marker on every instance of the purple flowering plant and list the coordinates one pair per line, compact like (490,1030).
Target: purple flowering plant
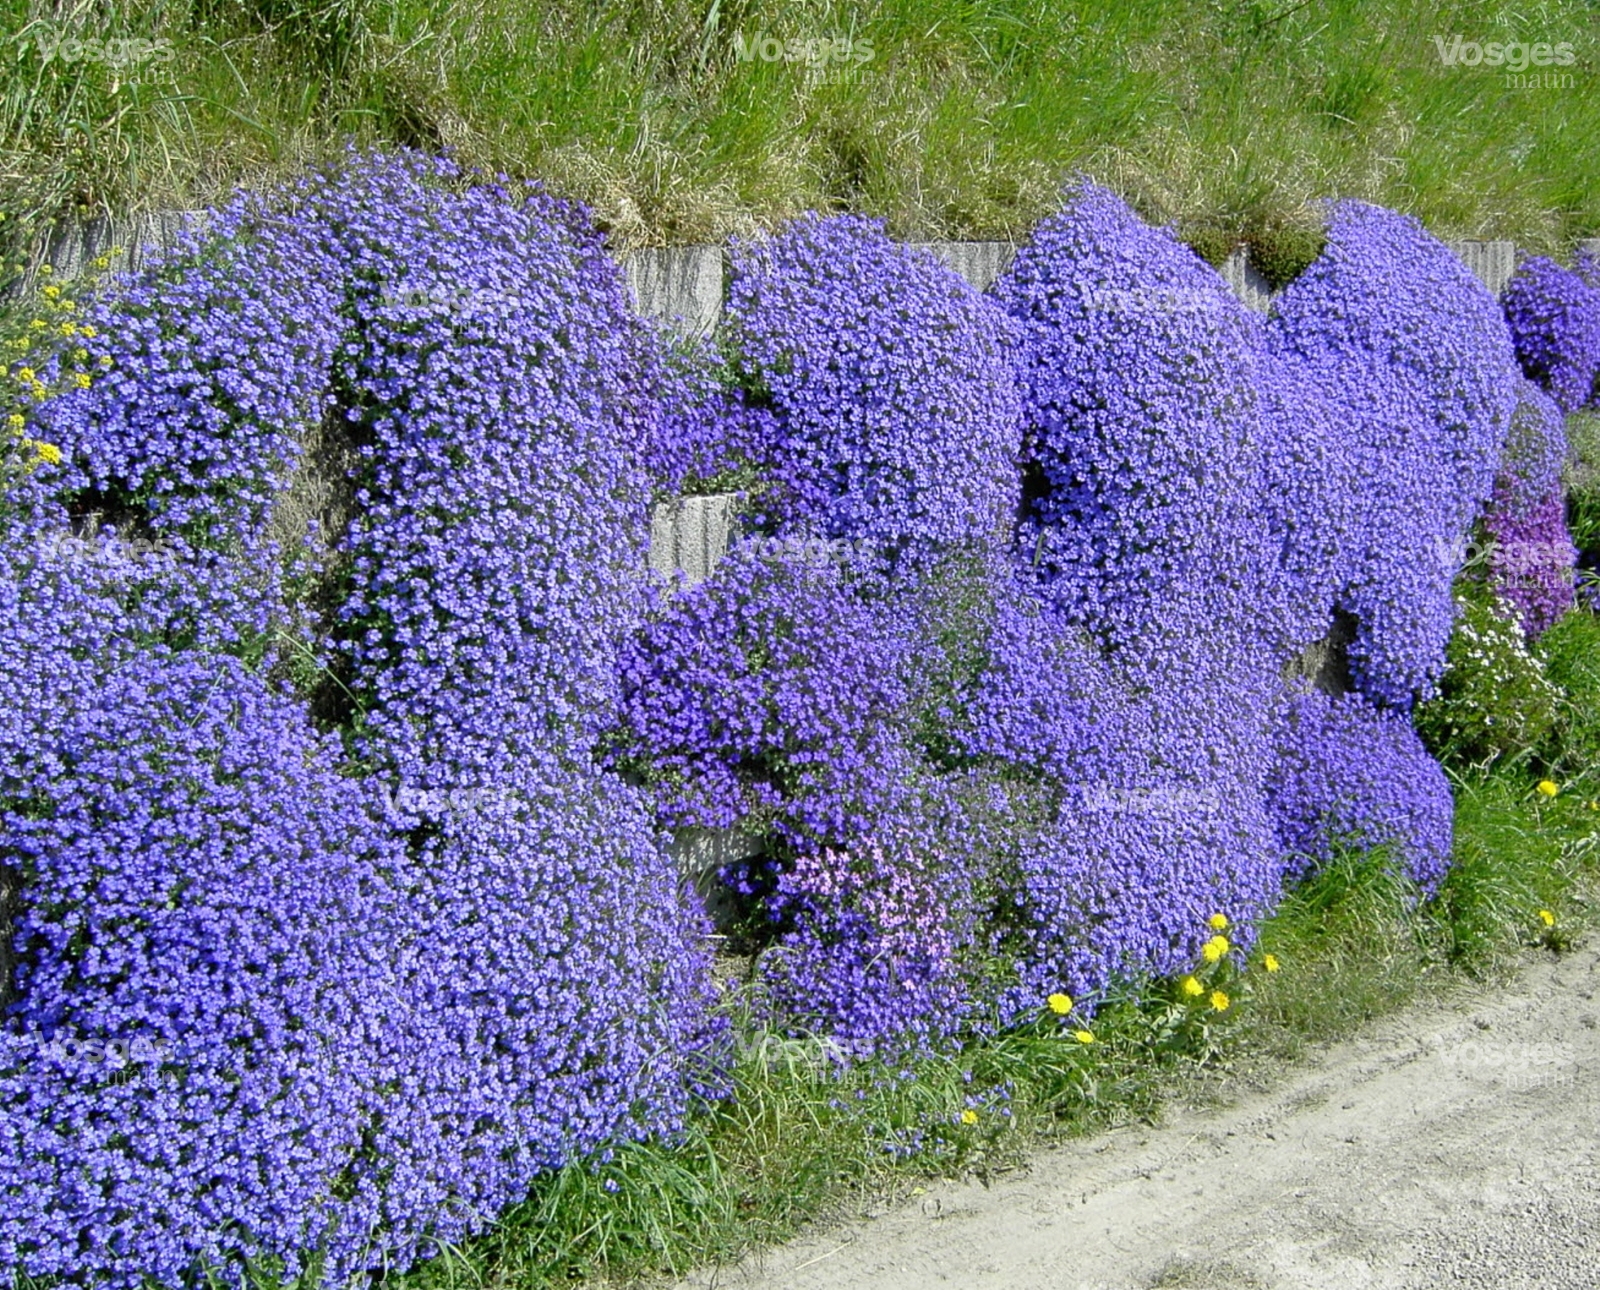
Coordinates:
(995,670)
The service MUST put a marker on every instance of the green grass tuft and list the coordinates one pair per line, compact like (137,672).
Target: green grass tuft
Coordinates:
(962,123)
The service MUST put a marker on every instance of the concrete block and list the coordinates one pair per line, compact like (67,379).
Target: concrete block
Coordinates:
(1246,282)
(700,855)
(685,283)
(10,901)
(1326,663)
(980,263)
(1492,262)
(69,248)
(692,534)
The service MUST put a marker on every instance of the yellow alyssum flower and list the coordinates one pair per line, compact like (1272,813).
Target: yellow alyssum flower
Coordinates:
(88,331)
(1083,1036)
(52,291)
(45,451)
(1271,963)
(1548,787)
(83,380)
(1192,988)
(105,360)
(969,1116)
(1060,1004)
(26,375)
(1219,1001)
(16,421)
(68,330)
(1215,948)
(1219,922)
(1547,918)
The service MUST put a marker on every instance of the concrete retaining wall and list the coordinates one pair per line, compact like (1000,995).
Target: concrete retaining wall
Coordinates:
(687,285)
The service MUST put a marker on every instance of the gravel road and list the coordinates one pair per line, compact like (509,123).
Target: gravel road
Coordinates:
(1453,1145)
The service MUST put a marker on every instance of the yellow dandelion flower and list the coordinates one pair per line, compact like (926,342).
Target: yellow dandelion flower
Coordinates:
(969,1116)
(1215,948)
(1060,1004)
(1219,922)
(1192,988)
(1547,918)
(1219,1001)
(1271,963)
(1548,787)
(1083,1036)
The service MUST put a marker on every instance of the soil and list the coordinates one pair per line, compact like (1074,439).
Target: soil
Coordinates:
(1455,1144)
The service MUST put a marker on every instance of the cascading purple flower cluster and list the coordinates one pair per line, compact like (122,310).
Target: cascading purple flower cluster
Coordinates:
(396,995)
(896,410)
(500,387)
(1411,351)
(1141,434)
(1148,533)
(208,903)
(1000,682)
(1531,553)
(704,427)
(1204,493)
(1554,318)
(1351,773)
(768,690)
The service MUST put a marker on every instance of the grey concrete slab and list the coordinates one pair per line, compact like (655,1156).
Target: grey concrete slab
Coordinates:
(1492,262)
(980,263)
(69,249)
(1246,281)
(691,534)
(684,283)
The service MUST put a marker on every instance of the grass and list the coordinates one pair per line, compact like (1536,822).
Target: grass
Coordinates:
(801,1139)
(1231,117)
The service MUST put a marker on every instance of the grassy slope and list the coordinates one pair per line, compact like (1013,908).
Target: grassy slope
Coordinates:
(1235,114)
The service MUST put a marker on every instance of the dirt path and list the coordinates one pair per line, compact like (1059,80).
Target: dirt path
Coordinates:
(1454,1146)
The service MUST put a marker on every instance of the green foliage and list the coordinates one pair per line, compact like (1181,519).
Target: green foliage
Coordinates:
(1572,652)
(1583,482)
(1495,705)
(1348,950)
(951,120)
(1212,244)
(1517,852)
(1281,252)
